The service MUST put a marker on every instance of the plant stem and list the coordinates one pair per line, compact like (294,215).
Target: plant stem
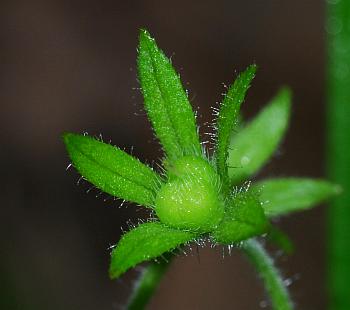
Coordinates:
(274,285)
(338,151)
(147,284)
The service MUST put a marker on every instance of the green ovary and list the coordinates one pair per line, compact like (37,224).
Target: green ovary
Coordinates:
(191,199)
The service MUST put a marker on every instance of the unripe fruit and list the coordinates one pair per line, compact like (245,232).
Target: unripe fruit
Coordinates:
(191,198)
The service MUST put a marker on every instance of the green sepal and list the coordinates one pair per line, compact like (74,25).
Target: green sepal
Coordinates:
(244,218)
(257,141)
(112,170)
(285,195)
(228,115)
(166,102)
(280,239)
(143,243)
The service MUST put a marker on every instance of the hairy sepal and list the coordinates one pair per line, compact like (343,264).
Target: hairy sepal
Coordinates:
(166,102)
(244,218)
(258,140)
(286,195)
(112,170)
(143,243)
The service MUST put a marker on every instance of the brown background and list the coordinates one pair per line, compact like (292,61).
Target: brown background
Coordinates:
(70,66)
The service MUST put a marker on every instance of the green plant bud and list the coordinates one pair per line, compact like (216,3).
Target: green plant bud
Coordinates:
(192,166)
(191,198)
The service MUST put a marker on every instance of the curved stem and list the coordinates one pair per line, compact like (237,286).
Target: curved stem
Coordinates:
(147,284)
(274,285)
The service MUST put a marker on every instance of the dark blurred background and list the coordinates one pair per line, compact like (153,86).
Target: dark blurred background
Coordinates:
(71,66)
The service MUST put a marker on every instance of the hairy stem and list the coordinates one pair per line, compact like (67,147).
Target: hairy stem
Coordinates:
(147,284)
(274,285)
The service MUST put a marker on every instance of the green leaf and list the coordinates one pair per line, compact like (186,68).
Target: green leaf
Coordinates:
(280,239)
(228,117)
(253,146)
(244,219)
(145,242)
(166,102)
(286,195)
(112,170)
(148,282)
